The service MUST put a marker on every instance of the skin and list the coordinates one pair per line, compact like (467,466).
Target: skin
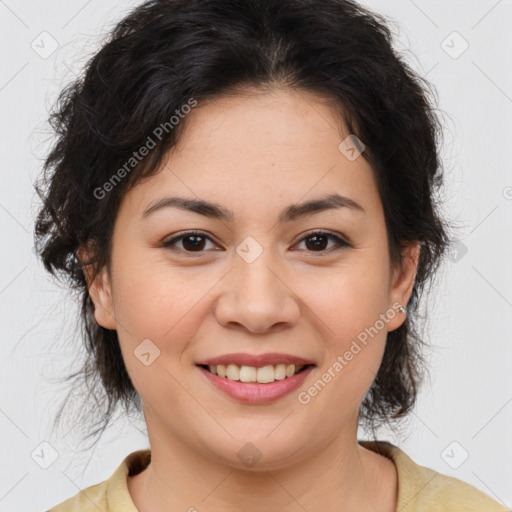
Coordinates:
(255,153)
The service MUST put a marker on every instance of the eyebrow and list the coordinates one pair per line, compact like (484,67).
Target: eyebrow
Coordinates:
(290,213)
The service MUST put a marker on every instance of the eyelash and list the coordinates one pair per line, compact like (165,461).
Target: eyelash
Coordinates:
(340,243)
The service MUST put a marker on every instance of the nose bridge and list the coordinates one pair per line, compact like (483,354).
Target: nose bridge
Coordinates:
(258,298)
(254,277)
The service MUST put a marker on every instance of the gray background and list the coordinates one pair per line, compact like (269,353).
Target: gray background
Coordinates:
(466,408)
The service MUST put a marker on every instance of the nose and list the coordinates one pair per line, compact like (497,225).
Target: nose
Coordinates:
(258,297)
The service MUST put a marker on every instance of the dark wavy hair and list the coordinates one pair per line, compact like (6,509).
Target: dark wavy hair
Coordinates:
(165,52)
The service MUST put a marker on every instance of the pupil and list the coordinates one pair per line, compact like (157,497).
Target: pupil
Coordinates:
(198,244)
(318,245)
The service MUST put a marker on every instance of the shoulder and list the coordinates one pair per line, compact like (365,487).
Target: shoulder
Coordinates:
(421,488)
(89,499)
(111,495)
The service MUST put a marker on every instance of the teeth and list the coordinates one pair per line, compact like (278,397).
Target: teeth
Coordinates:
(280,372)
(248,374)
(262,375)
(233,372)
(266,374)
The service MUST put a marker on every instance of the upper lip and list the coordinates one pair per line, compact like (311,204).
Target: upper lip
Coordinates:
(241,359)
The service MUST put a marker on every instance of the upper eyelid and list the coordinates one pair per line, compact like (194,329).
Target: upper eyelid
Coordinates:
(341,241)
(175,238)
(340,238)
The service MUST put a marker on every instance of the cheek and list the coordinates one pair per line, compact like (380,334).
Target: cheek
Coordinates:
(151,298)
(351,306)
(165,305)
(349,299)
(157,310)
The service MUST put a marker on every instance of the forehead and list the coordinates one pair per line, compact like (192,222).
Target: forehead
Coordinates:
(266,147)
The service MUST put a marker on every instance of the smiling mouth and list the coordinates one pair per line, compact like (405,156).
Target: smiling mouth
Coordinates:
(260,375)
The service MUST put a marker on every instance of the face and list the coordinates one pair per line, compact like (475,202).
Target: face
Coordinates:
(315,284)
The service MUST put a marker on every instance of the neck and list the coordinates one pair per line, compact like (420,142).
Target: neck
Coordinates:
(342,476)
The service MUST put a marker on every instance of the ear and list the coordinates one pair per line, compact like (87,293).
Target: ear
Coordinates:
(402,283)
(100,291)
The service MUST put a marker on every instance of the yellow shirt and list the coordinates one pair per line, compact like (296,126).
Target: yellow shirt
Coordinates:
(420,489)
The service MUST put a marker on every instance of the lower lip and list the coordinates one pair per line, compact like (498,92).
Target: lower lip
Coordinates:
(254,393)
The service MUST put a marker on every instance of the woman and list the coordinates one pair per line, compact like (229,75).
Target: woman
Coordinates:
(244,194)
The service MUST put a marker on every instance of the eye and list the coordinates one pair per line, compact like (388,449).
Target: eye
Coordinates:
(195,241)
(192,241)
(318,240)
